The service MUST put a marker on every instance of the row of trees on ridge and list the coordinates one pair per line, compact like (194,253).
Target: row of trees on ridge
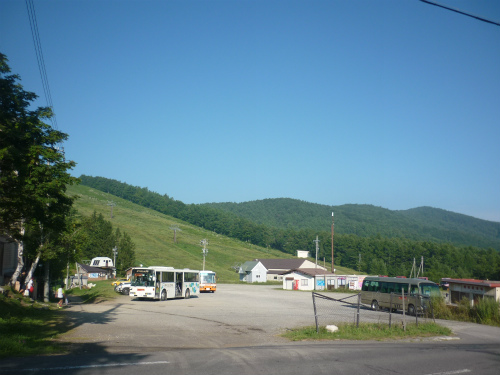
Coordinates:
(374,255)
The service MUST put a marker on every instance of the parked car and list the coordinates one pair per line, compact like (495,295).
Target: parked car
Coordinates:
(119,281)
(123,288)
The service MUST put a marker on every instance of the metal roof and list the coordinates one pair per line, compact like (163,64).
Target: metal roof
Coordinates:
(249,265)
(311,272)
(491,284)
(282,264)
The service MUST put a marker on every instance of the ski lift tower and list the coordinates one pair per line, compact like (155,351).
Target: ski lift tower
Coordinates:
(204,243)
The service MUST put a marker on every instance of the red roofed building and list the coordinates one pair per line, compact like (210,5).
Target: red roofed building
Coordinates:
(472,289)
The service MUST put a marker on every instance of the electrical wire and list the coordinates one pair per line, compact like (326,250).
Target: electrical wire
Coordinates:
(39,56)
(461,12)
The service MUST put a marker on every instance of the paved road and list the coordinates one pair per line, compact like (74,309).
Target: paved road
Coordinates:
(236,331)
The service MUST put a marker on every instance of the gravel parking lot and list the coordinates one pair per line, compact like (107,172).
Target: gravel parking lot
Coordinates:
(235,315)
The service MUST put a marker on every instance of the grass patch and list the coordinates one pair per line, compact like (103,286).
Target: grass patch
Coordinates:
(368,331)
(28,328)
(102,291)
(31,328)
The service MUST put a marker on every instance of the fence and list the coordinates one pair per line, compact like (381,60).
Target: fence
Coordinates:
(328,310)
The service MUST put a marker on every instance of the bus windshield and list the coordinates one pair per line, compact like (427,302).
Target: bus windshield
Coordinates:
(207,278)
(431,290)
(142,278)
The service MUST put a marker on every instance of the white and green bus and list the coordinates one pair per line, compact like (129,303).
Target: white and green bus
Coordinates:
(163,283)
(376,292)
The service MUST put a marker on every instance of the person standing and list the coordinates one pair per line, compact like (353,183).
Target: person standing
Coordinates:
(60,295)
(30,287)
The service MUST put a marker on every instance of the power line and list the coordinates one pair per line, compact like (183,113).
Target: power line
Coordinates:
(461,12)
(39,56)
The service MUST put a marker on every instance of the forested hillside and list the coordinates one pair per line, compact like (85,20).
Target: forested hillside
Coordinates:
(153,236)
(377,254)
(422,224)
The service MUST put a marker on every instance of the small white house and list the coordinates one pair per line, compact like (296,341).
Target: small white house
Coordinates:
(277,267)
(253,272)
(302,254)
(103,262)
(306,279)
(319,279)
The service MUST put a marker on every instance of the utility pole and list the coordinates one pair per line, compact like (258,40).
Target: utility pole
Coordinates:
(333,269)
(115,253)
(317,247)
(175,228)
(414,272)
(421,267)
(112,204)
(204,242)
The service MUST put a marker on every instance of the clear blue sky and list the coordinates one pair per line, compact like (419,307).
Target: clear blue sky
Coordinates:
(391,103)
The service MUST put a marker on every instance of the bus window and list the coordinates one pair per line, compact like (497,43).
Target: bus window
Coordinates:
(167,277)
(209,278)
(191,277)
(391,288)
(400,288)
(366,285)
(414,290)
(430,290)
(384,287)
(374,286)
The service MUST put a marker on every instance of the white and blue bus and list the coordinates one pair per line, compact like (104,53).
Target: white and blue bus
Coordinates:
(162,283)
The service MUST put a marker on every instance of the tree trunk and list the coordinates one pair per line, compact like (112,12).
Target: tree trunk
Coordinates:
(33,267)
(46,282)
(20,260)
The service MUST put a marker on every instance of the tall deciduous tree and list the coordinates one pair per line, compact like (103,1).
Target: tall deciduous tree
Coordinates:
(33,170)
(126,252)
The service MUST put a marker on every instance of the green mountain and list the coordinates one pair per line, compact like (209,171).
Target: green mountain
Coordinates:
(370,239)
(421,224)
(153,234)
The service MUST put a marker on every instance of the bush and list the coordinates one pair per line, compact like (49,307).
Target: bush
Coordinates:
(486,311)
(440,309)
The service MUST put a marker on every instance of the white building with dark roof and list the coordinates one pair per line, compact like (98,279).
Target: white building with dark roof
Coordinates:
(277,267)
(253,271)
(306,279)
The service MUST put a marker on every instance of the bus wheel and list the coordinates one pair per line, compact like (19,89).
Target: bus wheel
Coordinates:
(163,295)
(188,293)
(374,305)
(411,310)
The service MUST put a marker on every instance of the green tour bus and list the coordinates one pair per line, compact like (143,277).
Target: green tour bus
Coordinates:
(376,292)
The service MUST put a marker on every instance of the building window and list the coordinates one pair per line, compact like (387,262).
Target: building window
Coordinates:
(304,282)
